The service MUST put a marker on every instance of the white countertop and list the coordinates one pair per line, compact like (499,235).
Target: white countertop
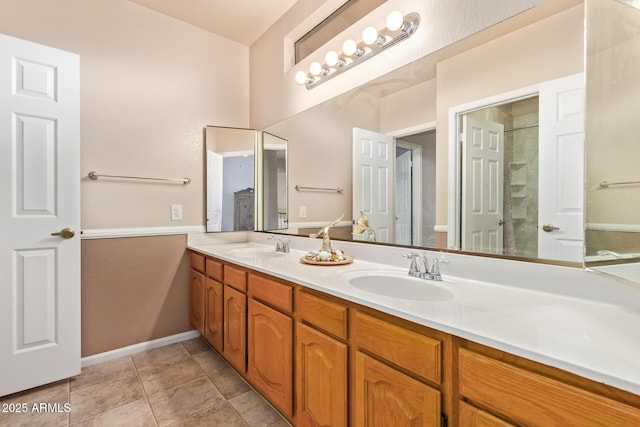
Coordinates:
(560,316)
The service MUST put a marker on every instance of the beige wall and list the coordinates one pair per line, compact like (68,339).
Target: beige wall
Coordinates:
(549,49)
(320,155)
(613,127)
(148,85)
(274,93)
(133,290)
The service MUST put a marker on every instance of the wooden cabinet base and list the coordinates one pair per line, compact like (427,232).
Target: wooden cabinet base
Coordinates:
(386,397)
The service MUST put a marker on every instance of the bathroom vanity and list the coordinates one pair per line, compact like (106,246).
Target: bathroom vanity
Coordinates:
(325,350)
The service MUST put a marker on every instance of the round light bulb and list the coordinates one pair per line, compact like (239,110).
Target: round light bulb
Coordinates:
(395,21)
(301,77)
(315,68)
(370,35)
(349,47)
(331,58)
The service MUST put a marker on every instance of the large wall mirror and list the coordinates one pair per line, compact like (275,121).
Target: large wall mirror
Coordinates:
(246,180)
(477,147)
(613,149)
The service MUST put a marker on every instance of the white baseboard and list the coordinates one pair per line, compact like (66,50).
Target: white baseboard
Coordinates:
(138,348)
(111,233)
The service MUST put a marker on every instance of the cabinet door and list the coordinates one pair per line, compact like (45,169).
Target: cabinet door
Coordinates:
(386,397)
(235,328)
(196,299)
(321,379)
(213,304)
(270,365)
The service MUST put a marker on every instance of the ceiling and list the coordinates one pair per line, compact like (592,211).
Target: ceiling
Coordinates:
(241,20)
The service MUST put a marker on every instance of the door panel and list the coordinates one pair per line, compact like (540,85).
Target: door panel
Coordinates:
(40,193)
(561,178)
(482,189)
(372,182)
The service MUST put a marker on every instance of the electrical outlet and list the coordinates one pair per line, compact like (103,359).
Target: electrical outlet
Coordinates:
(303,212)
(176,212)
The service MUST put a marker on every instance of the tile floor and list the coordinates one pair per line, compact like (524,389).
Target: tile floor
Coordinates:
(183,384)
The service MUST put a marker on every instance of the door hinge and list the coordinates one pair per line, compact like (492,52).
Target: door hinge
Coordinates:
(443,420)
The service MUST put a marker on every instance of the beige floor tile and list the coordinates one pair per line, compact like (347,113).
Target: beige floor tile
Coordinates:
(163,377)
(229,383)
(181,402)
(254,409)
(222,415)
(137,413)
(45,393)
(159,356)
(49,413)
(93,400)
(196,345)
(211,362)
(281,423)
(109,370)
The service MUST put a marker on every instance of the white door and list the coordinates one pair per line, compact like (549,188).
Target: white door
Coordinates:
(403,198)
(482,185)
(214,191)
(561,177)
(39,195)
(373,161)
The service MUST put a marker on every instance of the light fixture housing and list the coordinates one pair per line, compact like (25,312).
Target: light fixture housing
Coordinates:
(398,28)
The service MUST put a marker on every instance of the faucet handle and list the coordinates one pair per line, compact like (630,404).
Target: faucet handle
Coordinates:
(435,270)
(285,246)
(413,268)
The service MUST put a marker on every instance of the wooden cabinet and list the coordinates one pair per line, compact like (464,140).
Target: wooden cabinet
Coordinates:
(530,395)
(235,328)
(270,347)
(321,362)
(387,397)
(270,341)
(324,361)
(196,299)
(321,379)
(397,376)
(214,319)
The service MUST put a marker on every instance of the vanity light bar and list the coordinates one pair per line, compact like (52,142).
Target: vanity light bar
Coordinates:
(397,29)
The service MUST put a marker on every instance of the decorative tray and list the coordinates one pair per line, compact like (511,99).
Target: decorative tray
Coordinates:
(346,260)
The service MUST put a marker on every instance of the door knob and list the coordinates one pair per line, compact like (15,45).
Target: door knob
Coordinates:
(549,227)
(65,233)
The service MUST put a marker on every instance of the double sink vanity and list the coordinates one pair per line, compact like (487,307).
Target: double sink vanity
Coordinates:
(496,342)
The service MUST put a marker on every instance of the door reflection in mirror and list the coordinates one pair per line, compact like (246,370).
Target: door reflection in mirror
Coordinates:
(274,181)
(230,178)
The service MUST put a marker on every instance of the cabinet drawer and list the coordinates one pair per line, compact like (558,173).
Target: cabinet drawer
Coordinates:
(214,269)
(474,417)
(323,314)
(413,351)
(235,277)
(529,398)
(197,261)
(274,293)
(384,396)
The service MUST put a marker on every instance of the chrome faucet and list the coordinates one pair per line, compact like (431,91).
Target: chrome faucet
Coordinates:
(282,245)
(420,267)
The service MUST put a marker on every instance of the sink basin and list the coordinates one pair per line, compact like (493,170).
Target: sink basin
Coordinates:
(255,253)
(397,285)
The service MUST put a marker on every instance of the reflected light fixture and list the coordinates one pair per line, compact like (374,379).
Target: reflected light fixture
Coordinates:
(398,28)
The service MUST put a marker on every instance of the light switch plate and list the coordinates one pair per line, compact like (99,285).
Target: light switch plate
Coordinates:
(176,212)
(303,211)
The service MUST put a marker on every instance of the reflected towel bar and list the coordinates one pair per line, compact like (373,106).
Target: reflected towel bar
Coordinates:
(605,184)
(300,188)
(95,175)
